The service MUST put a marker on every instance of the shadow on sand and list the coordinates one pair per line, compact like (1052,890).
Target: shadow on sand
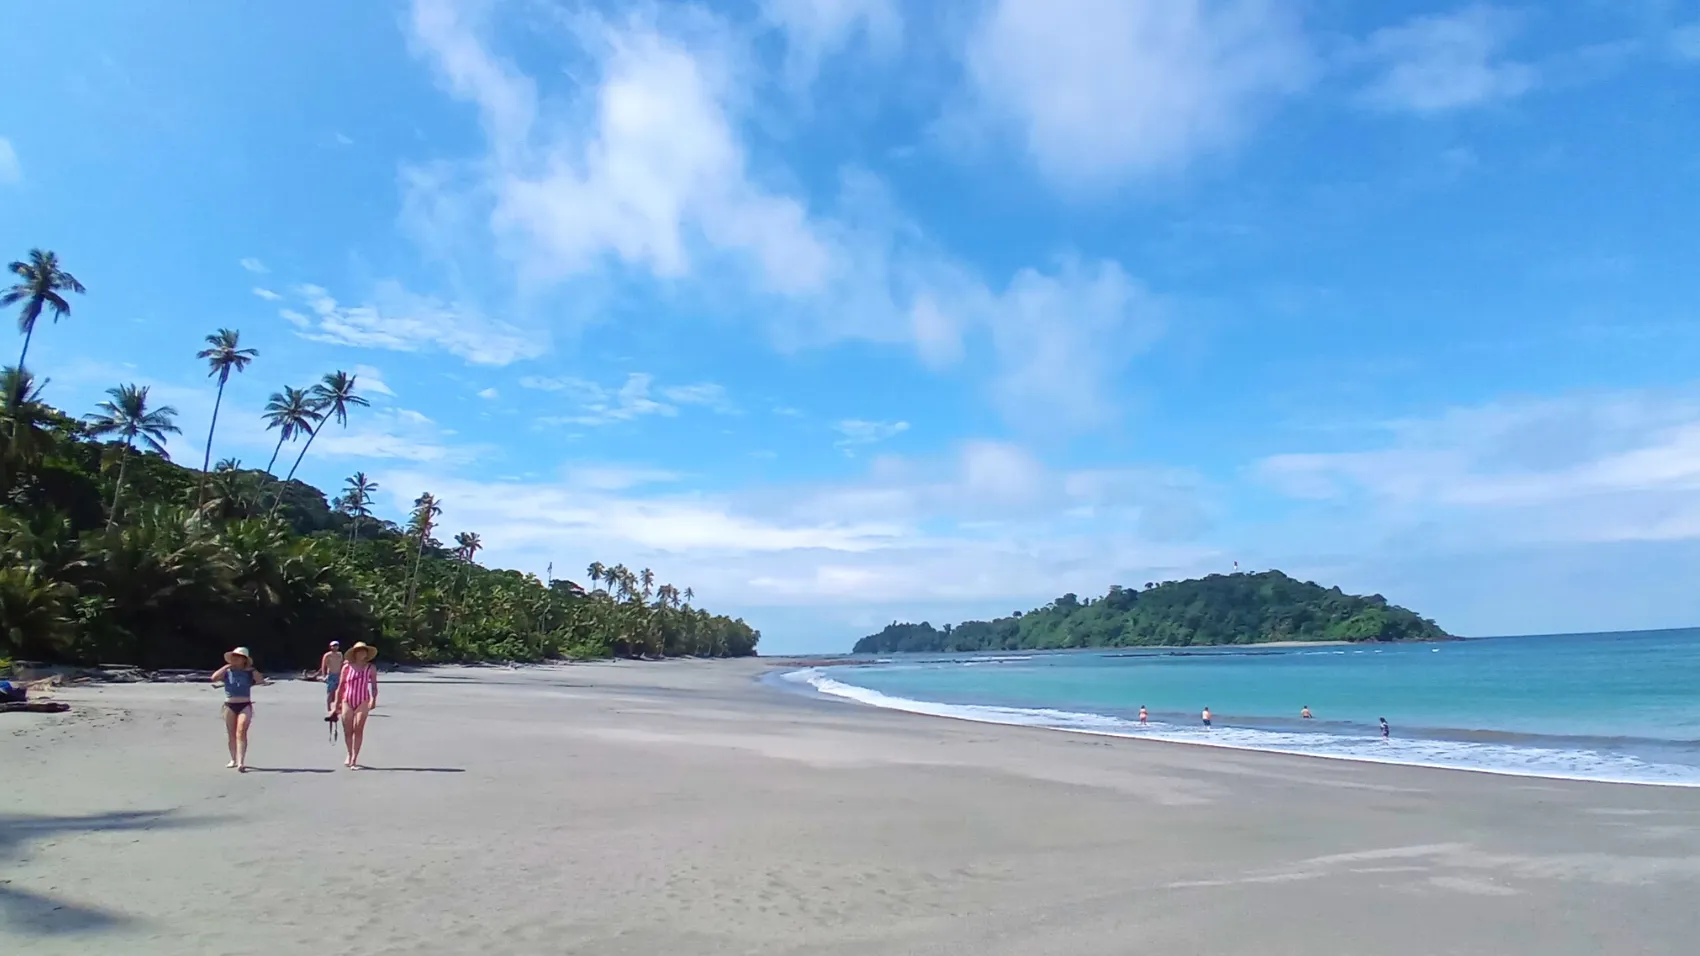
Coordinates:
(415,769)
(36,914)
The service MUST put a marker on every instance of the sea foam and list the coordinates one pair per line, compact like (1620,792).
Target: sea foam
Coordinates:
(1506,759)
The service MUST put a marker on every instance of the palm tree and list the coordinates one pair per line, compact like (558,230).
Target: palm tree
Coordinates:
(688,595)
(20,402)
(426,510)
(332,397)
(467,545)
(292,411)
(223,355)
(40,286)
(127,414)
(356,496)
(646,577)
(597,571)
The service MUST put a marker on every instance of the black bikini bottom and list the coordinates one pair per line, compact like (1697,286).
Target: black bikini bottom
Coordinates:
(237,706)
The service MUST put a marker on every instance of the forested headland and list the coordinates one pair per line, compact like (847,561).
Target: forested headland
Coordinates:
(1218,609)
(110,552)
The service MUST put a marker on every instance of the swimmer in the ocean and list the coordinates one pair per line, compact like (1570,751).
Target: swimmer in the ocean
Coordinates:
(1207,717)
(1142,713)
(1385,730)
(1304,712)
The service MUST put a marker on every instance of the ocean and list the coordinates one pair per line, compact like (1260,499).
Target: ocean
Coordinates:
(1616,707)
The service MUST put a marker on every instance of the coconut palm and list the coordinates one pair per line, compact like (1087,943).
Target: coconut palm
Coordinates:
(27,419)
(224,354)
(332,397)
(467,545)
(292,411)
(356,499)
(127,415)
(596,571)
(41,285)
(426,510)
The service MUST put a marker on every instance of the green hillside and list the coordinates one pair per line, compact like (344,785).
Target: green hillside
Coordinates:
(1219,609)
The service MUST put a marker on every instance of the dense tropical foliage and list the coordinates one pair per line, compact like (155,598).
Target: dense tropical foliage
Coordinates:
(1219,609)
(111,552)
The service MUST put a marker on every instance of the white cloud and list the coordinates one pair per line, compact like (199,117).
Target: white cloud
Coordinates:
(989,522)
(1432,64)
(267,294)
(856,432)
(489,394)
(1064,339)
(343,139)
(253,265)
(11,171)
(707,394)
(396,434)
(658,182)
(660,172)
(817,29)
(596,405)
(1596,467)
(405,322)
(1685,41)
(617,477)
(1103,90)
(369,379)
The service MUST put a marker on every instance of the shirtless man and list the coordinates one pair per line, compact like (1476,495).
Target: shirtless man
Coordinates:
(330,669)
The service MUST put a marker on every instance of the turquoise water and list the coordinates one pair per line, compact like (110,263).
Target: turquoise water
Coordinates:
(1621,707)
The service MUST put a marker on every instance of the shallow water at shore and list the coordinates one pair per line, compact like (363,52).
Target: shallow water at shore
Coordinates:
(1607,707)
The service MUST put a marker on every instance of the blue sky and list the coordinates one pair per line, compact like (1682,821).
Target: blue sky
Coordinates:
(851,310)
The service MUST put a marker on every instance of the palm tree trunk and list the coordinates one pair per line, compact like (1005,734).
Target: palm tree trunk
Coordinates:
(123,463)
(206,460)
(291,477)
(279,448)
(413,583)
(353,533)
(29,333)
(310,436)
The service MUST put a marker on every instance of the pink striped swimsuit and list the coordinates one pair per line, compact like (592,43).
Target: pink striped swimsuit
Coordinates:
(357,684)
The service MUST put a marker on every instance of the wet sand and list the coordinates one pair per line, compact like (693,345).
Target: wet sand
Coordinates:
(681,808)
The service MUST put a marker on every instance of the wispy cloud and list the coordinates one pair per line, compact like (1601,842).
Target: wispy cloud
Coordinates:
(395,434)
(11,171)
(1099,91)
(1433,64)
(1595,467)
(856,432)
(707,394)
(401,321)
(267,294)
(253,265)
(1685,41)
(489,394)
(596,405)
(814,31)
(369,379)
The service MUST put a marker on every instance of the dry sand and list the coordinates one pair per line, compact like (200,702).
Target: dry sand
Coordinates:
(682,809)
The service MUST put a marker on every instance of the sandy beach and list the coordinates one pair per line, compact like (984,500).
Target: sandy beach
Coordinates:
(683,808)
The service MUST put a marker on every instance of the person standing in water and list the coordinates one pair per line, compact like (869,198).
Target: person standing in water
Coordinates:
(1385,730)
(356,695)
(238,677)
(1142,714)
(1206,718)
(330,671)
(1304,712)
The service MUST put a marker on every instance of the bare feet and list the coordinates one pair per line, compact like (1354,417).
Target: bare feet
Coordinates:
(242,769)
(230,766)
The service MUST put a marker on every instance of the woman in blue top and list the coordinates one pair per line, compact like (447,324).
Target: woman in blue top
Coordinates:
(238,676)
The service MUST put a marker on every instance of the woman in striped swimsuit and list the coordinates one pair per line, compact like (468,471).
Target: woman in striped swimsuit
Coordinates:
(356,695)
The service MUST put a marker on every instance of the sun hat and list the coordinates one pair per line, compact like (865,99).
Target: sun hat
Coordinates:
(371,652)
(241,652)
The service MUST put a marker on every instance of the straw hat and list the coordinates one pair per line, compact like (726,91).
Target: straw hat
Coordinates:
(242,652)
(371,652)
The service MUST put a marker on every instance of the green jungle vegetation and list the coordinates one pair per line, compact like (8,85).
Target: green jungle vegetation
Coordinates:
(1218,609)
(111,552)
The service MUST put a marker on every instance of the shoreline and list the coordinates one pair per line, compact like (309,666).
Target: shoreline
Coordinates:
(1490,752)
(626,811)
